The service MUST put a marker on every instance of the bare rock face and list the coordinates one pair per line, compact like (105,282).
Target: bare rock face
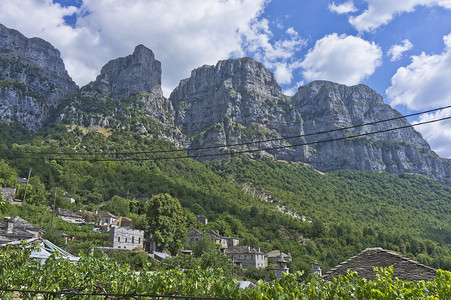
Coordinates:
(236,100)
(327,106)
(32,79)
(139,72)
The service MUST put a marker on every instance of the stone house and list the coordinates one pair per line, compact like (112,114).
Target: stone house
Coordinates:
(8,194)
(217,239)
(105,218)
(364,262)
(246,256)
(16,229)
(231,241)
(193,235)
(125,238)
(274,256)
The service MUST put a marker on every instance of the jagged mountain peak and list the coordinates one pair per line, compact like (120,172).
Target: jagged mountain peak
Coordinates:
(138,72)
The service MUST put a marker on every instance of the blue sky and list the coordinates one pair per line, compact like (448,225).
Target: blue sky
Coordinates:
(402,49)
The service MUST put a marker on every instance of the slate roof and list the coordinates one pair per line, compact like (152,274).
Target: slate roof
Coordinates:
(364,262)
(67,213)
(21,229)
(20,223)
(242,249)
(193,232)
(275,254)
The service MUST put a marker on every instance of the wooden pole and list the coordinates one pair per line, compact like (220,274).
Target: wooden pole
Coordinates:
(26,187)
(54,204)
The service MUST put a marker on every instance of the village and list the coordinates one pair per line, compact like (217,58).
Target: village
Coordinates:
(123,237)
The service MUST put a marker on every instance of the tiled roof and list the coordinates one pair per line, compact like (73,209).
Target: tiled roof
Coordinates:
(364,262)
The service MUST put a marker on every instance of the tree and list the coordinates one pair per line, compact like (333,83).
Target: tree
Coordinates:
(118,206)
(8,176)
(166,221)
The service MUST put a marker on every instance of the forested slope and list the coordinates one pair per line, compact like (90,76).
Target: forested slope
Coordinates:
(344,211)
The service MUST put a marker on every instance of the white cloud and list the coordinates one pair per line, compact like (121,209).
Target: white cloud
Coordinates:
(293,89)
(343,59)
(437,134)
(396,51)
(381,12)
(344,8)
(280,55)
(425,82)
(182,34)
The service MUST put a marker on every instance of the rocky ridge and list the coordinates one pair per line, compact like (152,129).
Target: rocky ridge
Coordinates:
(237,101)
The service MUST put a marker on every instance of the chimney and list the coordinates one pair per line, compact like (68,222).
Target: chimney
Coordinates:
(9,225)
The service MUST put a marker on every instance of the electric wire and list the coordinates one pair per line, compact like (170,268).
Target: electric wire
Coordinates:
(235,144)
(237,152)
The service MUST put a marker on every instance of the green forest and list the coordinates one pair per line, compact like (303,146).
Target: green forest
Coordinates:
(271,204)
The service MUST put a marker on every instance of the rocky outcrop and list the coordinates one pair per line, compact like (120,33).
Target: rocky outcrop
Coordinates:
(327,106)
(139,72)
(237,100)
(32,79)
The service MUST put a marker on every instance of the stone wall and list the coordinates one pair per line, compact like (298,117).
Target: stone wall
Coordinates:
(129,239)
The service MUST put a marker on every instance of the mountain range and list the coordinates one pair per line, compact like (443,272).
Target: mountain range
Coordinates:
(232,107)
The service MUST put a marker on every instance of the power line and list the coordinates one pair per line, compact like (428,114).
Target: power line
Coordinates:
(229,153)
(237,144)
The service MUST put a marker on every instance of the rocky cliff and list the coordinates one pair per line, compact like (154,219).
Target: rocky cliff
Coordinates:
(139,72)
(239,101)
(235,101)
(327,106)
(126,95)
(32,79)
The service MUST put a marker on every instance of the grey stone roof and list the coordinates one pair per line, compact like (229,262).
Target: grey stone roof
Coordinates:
(20,224)
(193,232)
(242,250)
(21,229)
(105,214)
(364,262)
(66,213)
(275,254)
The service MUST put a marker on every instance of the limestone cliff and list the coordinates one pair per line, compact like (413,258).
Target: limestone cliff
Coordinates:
(235,101)
(32,79)
(139,72)
(326,106)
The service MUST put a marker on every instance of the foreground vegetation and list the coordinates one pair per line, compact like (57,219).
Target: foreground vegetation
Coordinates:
(102,275)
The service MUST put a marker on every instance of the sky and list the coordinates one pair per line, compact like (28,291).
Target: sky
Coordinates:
(401,49)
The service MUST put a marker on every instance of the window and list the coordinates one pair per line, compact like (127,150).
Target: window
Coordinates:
(119,239)
(139,240)
(133,239)
(126,240)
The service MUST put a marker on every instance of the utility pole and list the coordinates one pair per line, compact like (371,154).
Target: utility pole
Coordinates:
(54,204)
(26,187)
